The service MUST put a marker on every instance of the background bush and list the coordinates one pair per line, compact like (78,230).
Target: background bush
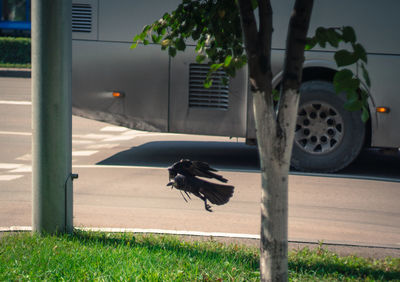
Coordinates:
(15,50)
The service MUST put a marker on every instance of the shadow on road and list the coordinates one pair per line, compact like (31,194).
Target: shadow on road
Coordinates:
(241,157)
(222,155)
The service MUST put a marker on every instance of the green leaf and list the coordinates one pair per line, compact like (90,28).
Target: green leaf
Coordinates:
(321,36)
(332,37)
(348,34)
(365,75)
(200,44)
(254,4)
(200,58)
(134,45)
(208,82)
(180,44)
(364,114)
(142,35)
(344,58)
(146,28)
(275,95)
(155,38)
(340,78)
(228,60)
(311,42)
(344,81)
(215,67)
(136,38)
(146,42)
(172,51)
(360,52)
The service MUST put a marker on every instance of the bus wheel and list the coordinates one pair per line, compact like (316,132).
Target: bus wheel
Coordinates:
(327,137)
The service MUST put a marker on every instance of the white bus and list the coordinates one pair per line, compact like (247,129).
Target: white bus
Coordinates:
(164,94)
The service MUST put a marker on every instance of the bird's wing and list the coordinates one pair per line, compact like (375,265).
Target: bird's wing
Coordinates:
(203,166)
(202,169)
(194,168)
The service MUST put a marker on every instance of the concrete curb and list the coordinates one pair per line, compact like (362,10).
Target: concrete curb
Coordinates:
(15,72)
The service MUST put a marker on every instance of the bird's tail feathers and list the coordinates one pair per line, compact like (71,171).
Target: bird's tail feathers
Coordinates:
(220,194)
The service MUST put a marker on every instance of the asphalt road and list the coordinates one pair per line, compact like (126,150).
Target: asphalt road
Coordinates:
(122,179)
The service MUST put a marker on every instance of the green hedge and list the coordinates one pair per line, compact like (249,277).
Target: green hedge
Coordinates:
(15,50)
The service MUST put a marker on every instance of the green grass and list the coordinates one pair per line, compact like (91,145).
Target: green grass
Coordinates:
(102,256)
(11,65)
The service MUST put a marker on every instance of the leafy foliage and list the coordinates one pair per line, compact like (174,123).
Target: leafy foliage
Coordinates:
(346,80)
(15,51)
(212,26)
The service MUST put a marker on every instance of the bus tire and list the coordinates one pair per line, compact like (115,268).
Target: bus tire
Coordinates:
(327,137)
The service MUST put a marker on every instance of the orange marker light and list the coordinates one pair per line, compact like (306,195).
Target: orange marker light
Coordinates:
(117,94)
(383,110)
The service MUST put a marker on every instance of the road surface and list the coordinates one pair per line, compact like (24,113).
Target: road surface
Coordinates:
(122,180)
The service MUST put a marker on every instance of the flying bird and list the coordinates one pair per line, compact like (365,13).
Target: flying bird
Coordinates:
(194,168)
(217,194)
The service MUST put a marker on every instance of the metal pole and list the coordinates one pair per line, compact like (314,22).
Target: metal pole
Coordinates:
(51,116)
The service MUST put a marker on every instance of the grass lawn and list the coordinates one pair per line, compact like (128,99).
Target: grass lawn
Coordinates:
(104,256)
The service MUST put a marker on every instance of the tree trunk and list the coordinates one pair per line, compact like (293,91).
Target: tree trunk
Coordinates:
(275,131)
(274,145)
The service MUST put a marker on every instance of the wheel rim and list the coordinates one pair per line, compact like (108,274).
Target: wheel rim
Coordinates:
(319,128)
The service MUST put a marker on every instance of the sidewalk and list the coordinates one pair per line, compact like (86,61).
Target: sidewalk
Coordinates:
(15,72)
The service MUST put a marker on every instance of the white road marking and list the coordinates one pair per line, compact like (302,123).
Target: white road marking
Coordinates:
(129,135)
(119,167)
(24,168)
(15,133)
(142,133)
(120,138)
(74,141)
(9,177)
(92,136)
(114,129)
(26,157)
(83,153)
(23,103)
(9,166)
(102,146)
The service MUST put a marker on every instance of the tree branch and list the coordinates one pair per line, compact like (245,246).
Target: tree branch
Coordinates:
(258,46)
(265,32)
(249,26)
(295,44)
(293,66)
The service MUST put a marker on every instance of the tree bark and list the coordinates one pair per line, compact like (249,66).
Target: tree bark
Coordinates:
(275,131)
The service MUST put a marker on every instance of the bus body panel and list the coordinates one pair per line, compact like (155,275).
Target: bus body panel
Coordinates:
(208,119)
(156,87)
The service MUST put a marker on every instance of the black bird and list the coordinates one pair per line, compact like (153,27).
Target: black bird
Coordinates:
(194,168)
(217,194)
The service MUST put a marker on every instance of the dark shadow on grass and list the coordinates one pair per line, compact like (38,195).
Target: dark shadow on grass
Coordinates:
(319,268)
(321,262)
(170,244)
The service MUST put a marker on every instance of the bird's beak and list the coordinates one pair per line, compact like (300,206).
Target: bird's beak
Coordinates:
(170,183)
